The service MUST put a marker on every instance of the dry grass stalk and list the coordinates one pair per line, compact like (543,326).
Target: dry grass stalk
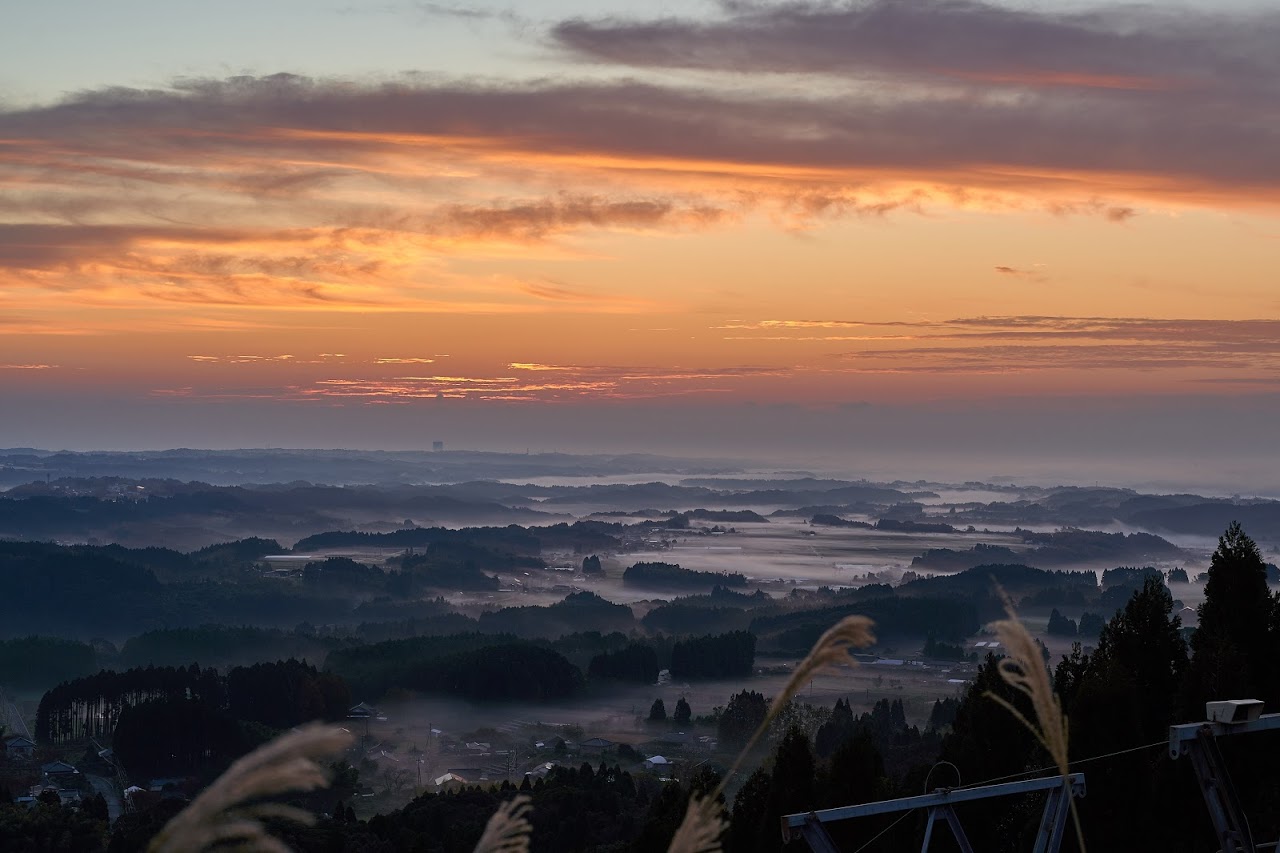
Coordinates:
(701,828)
(1024,670)
(833,647)
(220,816)
(508,829)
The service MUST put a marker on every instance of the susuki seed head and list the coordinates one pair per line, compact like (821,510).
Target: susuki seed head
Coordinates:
(833,647)
(508,829)
(225,813)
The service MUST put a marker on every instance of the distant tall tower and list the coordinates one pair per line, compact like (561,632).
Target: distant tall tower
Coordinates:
(437,446)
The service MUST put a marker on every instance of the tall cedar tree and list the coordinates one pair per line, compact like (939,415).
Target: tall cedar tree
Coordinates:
(1232,654)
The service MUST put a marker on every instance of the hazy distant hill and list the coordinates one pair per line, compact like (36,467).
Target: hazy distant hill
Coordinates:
(338,467)
(1061,548)
(1262,520)
(192,515)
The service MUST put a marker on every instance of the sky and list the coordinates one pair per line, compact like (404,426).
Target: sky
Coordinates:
(897,234)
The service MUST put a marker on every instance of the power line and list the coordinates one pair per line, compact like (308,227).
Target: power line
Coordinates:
(884,831)
(1053,767)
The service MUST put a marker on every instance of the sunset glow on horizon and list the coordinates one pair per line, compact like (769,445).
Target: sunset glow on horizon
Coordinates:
(906,204)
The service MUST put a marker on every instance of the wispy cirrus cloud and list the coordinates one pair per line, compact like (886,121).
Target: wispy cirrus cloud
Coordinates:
(522,382)
(1048,327)
(1017,344)
(1140,353)
(1035,272)
(240,359)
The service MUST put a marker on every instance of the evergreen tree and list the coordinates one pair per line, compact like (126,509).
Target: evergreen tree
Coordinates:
(683,713)
(749,806)
(1091,624)
(838,728)
(986,743)
(742,716)
(1144,641)
(1231,647)
(855,774)
(1060,625)
(792,784)
(657,712)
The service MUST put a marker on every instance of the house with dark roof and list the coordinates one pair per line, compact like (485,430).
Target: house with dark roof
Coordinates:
(58,772)
(473,774)
(19,748)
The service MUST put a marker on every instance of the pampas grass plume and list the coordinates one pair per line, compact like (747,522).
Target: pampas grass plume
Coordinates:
(833,647)
(1024,670)
(508,829)
(225,814)
(701,828)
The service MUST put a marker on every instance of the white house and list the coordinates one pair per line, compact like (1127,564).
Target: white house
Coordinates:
(657,762)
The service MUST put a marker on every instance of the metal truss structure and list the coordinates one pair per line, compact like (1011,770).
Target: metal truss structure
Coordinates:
(1199,742)
(941,806)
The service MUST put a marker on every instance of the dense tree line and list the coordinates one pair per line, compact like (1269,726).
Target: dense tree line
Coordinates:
(1054,549)
(950,619)
(285,694)
(517,671)
(826,519)
(908,525)
(91,706)
(176,736)
(478,667)
(485,555)
(720,611)
(729,655)
(37,662)
(946,651)
(512,540)
(662,575)
(1130,577)
(677,618)
(224,645)
(84,592)
(1015,579)
(578,611)
(280,695)
(343,574)
(637,663)
(580,647)
(729,515)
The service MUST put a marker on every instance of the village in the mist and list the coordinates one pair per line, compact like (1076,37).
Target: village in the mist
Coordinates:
(489,621)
